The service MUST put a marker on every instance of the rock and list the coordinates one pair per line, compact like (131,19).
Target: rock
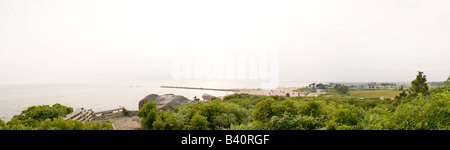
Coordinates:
(147,99)
(170,101)
(166,102)
(207,97)
(134,118)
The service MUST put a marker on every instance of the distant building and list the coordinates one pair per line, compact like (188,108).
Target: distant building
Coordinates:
(372,84)
(320,86)
(312,86)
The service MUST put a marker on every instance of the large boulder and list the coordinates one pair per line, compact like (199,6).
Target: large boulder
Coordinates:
(147,99)
(170,101)
(207,97)
(167,101)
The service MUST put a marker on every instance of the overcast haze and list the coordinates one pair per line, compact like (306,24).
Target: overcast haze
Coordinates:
(50,41)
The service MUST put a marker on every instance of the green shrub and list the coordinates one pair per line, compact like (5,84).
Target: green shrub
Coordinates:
(148,114)
(125,111)
(198,122)
(311,108)
(263,110)
(35,114)
(168,121)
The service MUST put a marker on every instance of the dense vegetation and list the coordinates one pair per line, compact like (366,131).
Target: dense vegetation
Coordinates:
(45,117)
(418,111)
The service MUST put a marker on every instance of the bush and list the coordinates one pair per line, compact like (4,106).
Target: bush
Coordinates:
(45,117)
(345,116)
(219,114)
(168,121)
(311,108)
(289,122)
(263,110)
(437,111)
(35,114)
(148,114)
(61,124)
(125,111)
(198,122)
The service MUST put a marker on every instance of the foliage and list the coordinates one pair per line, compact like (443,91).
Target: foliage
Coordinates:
(2,124)
(45,117)
(35,114)
(264,110)
(198,122)
(345,116)
(342,89)
(445,87)
(168,121)
(61,124)
(289,122)
(149,114)
(401,96)
(311,108)
(125,111)
(419,85)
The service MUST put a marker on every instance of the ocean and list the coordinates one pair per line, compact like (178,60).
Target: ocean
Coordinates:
(104,96)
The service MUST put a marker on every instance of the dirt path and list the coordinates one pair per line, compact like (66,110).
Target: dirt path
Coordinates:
(125,123)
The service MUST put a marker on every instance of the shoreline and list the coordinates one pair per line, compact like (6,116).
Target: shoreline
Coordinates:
(280,91)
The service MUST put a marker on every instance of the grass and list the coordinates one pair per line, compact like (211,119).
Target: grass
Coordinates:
(303,89)
(374,93)
(332,92)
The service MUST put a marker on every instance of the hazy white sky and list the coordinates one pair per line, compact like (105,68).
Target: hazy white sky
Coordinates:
(57,41)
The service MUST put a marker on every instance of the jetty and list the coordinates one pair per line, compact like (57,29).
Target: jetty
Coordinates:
(196,88)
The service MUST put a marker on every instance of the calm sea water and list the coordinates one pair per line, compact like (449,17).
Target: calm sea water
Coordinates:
(15,98)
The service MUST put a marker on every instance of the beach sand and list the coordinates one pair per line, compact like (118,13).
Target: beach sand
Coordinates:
(279,91)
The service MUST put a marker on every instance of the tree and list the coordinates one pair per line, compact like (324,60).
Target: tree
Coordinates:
(341,89)
(419,85)
(447,83)
(401,95)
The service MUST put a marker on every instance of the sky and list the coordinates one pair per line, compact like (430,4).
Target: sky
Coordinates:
(62,41)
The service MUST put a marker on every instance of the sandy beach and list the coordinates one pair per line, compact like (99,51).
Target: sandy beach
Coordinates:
(279,91)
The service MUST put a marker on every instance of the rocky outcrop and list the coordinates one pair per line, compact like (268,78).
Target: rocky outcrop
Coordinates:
(166,102)
(170,101)
(147,99)
(207,97)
